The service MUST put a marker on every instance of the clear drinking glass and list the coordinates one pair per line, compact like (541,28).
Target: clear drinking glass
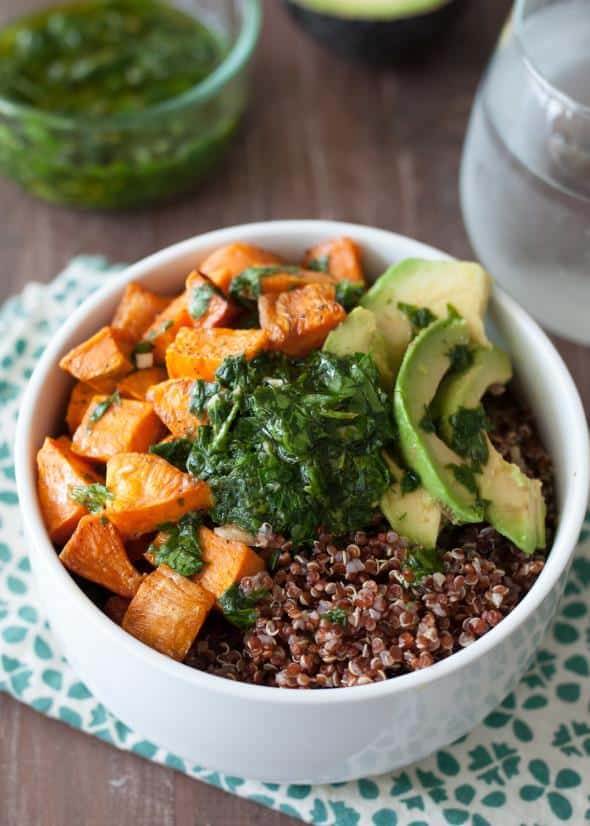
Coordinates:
(525,177)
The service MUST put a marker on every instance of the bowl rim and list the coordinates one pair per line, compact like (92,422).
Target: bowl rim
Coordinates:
(571,518)
(233,62)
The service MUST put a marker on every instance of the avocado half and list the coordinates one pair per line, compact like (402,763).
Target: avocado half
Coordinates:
(379,32)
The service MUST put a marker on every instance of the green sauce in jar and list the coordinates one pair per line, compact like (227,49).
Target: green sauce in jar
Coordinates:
(103,113)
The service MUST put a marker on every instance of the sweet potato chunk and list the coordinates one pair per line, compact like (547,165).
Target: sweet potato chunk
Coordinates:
(96,552)
(101,360)
(215,310)
(281,282)
(297,322)
(148,491)
(171,399)
(136,385)
(226,562)
(125,426)
(167,612)
(59,470)
(227,262)
(115,608)
(163,330)
(137,309)
(80,398)
(198,353)
(342,256)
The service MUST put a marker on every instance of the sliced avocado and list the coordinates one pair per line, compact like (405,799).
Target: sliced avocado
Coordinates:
(414,513)
(377,31)
(444,474)
(515,505)
(433,285)
(358,333)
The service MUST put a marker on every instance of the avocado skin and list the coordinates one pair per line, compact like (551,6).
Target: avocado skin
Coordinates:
(378,42)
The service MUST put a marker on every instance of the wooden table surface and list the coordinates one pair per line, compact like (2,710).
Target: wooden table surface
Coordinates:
(324,139)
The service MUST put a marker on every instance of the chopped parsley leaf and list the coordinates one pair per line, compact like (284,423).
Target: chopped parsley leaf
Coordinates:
(461,357)
(240,609)
(142,347)
(423,562)
(94,497)
(321,264)
(420,317)
(245,287)
(338,616)
(200,299)
(410,481)
(465,476)
(469,428)
(101,408)
(175,451)
(181,549)
(349,293)
(155,333)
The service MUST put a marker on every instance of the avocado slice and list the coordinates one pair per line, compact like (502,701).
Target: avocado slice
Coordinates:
(358,333)
(414,514)
(431,284)
(379,32)
(444,474)
(515,505)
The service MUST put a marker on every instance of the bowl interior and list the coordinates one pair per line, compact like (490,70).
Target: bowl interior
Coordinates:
(541,374)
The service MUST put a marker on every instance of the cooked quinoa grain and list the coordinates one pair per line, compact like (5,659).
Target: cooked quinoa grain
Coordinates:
(349,611)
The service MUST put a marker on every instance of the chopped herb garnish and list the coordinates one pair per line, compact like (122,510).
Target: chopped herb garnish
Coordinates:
(469,428)
(273,559)
(349,293)
(200,299)
(321,264)
(423,562)
(94,497)
(461,357)
(427,422)
(338,616)
(240,609)
(295,443)
(175,451)
(410,481)
(420,317)
(155,333)
(245,287)
(465,476)
(142,347)
(101,408)
(181,549)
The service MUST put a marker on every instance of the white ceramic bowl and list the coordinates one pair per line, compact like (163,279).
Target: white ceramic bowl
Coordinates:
(302,736)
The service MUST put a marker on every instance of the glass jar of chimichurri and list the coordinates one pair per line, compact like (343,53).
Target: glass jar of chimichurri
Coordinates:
(112,104)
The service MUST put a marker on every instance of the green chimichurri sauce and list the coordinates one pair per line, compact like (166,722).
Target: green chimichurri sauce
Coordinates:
(105,57)
(85,79)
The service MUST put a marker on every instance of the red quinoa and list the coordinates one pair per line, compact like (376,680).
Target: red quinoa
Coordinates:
(348,612)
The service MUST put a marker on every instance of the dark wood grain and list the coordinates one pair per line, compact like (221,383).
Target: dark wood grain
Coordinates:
(324,139)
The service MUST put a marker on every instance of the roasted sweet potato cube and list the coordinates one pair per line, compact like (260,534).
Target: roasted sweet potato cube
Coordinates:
(281,282)
(226,262)
(58,471)
(298,321)
(171,400)
(115,608)
(136,385)
(137,309)
(101,360)
(198,353)
(342,256)
(126,426)
(148,492)
(206,308)
(167,612)
(163,330)
(80,398)
(96,552)
(226,562)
